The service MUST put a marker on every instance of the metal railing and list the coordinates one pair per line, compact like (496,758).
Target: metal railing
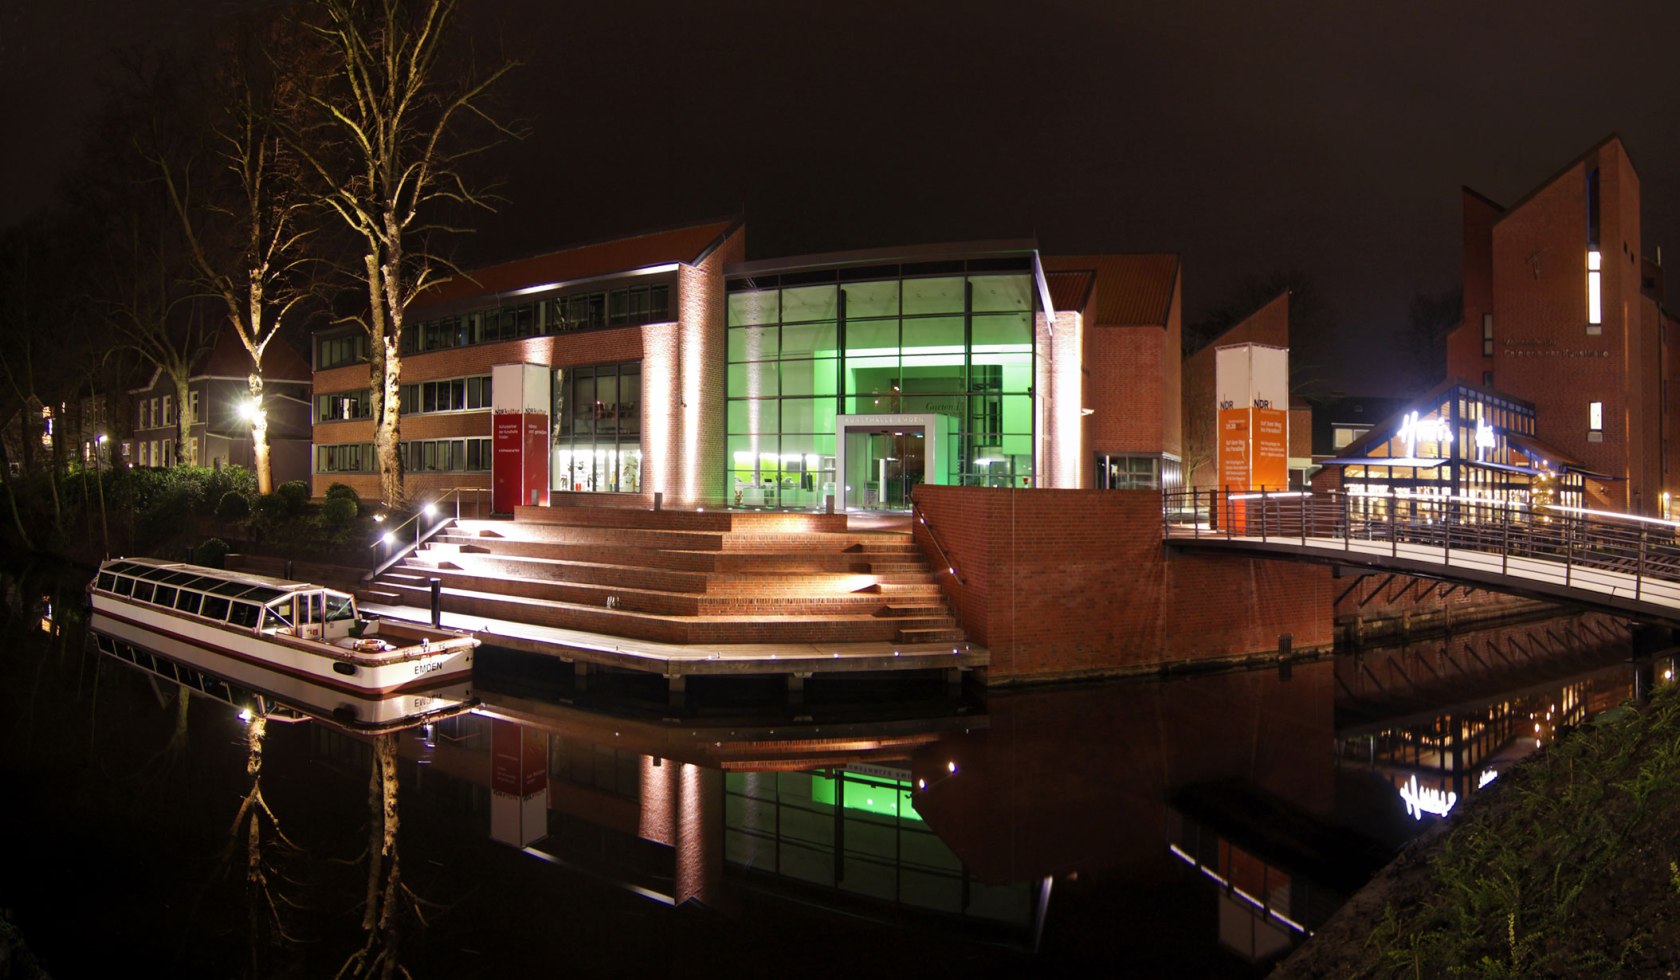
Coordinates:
(1646,549)
(950,566)
(427,520)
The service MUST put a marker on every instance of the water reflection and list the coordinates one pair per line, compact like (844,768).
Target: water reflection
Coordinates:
(1194,826)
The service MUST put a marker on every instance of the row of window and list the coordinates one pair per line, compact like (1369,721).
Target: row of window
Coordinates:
(213,599)
(629,306)
(446,395)
(156,414)
(418,456)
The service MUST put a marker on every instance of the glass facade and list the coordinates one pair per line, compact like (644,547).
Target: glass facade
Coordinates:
(953,341)
(1464,443)
(598,428)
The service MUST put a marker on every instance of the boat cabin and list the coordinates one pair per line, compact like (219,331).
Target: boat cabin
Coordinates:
(251,602)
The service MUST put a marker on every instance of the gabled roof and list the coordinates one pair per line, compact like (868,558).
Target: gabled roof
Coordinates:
(1131,290)
(229,359)
(688,244)
(1571,165)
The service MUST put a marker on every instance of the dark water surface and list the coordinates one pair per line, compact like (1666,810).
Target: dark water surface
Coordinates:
(1184,827)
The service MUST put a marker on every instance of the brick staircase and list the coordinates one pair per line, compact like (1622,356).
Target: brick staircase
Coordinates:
(682,577)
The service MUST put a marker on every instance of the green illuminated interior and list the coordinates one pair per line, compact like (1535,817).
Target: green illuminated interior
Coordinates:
(890,798)
(955,346)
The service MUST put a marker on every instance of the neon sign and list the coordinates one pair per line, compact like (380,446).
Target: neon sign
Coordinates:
(1420,800)
(1484,438)
(1414,430)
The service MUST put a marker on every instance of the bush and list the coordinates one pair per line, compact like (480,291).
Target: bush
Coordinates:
(342,491)
(234,506)
(296,495)
(220,480)
(213,553)
(269,510)
(338,513)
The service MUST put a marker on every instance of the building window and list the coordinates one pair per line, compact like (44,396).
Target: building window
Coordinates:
(157,416)
(1487,379)
(1595,421)
(168,452)
(1487,334)
(331,352)
(446,455)
(447,395)
(346,458)
(156,456)
(1119,472)
(598,430)
(342,405)
(192,408)
(1595,308)
(168,409)
(145,414)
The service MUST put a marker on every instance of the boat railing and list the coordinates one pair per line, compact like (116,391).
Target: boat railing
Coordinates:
(427,520)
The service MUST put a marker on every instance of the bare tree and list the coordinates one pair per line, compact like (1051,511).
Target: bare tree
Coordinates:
(247,230)
(1431,317)
(390,151)
(148,303)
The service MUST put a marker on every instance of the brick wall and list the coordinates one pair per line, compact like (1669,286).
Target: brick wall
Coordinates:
(1464,345)
(1062,583)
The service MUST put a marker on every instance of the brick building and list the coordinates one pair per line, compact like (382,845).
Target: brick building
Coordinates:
(665,363)
(1562,310)
(216,392)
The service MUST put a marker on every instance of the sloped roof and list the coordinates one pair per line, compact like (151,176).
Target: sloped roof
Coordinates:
(229,359)
(1131,290)
(584,262)
(1566,168)
(1071,290)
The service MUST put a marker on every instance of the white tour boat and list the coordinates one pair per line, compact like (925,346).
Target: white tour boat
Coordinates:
(296,628)
(257,689)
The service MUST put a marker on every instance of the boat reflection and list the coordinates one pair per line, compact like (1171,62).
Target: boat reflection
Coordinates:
(273,693)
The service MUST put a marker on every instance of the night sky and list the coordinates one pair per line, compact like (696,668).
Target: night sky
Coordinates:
(1247,136)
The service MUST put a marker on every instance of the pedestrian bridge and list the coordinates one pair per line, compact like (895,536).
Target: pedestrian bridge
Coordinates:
(1602,560)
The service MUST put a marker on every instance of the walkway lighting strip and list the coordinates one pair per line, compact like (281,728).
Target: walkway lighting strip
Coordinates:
(1452,497)
(1282,495)
(1617,515)
(1245,896)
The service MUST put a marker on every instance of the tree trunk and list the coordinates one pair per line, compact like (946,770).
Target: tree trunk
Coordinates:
(186,450)
(9,486)
(387,368)
(259,435)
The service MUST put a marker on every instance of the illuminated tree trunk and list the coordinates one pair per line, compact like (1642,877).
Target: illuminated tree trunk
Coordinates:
(259,434)
(186,451)
(386,898)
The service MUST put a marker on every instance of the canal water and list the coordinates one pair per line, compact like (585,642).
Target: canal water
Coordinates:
(1187,826)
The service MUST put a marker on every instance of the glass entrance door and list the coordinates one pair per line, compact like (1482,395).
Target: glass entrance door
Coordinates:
(883,467)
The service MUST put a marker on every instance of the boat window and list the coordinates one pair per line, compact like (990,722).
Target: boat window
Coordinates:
(244,614)
(176,578)
(263,594)
(125,586)
(106,580)
(165,596)
(280,615)
(155,574)
(202,584)
(339,606)
(125,567)
(232,588)
(143,591)
(215,607)
(187,601)
(315,608)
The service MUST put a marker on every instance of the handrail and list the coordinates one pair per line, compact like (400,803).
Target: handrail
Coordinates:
(950,566)
(421,533)
(1574,540)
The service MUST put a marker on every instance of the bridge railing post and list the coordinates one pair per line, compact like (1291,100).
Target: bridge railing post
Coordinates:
(1263,516)
(1568,552)
(1347,521)
(1639,569)
(1505,543)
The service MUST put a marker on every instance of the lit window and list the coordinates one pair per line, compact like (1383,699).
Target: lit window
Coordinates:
(1595,310)
(168,409)
(192,407)
(1595,416)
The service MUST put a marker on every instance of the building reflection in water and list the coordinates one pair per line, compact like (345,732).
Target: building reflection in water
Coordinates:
(1126,822)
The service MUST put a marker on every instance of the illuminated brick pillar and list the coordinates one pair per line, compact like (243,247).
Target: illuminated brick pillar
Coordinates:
(661,409)
(1059,389)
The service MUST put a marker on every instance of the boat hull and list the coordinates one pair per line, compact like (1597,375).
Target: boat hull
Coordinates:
(316,662)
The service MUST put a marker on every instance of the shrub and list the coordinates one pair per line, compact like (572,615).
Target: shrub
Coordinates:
(342,491)
(268,510)
(295,493)
(234,506)
(213,553)
(337,513)
(224,478)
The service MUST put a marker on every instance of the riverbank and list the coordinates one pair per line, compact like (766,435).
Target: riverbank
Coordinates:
(1568,865)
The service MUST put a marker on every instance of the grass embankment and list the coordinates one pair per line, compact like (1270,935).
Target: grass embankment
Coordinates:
(1568,865)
